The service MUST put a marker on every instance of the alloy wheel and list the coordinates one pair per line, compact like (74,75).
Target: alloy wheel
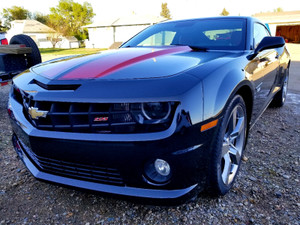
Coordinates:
(284,88)
(233,144)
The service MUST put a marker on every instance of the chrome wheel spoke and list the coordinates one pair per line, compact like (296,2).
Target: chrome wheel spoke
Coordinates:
(227,169)
(284,91)
(234,169)
(239,128)
(234,155)
(232,121)
(225,147)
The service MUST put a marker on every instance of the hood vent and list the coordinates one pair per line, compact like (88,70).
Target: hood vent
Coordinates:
(56,87)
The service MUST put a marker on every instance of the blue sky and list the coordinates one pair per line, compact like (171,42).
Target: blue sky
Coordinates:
(180,9)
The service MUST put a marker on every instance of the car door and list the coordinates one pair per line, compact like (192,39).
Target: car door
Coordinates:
(264,69)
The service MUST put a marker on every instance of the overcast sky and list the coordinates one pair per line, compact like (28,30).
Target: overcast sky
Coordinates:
(179,9)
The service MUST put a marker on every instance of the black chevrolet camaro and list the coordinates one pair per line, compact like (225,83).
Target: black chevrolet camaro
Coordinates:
(163,117)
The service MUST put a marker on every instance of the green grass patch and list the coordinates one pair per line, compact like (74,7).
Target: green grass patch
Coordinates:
(53,53)
(73,51)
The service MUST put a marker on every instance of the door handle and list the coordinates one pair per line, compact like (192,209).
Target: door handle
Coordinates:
(264,60)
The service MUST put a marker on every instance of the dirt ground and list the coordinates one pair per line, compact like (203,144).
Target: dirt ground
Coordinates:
(294,50)
(294,84)
(267,190)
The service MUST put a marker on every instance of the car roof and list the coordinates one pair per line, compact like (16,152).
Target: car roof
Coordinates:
(216,18)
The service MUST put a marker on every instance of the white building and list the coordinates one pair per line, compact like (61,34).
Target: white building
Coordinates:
(112,33)
(285,24)
(68,42)
(41,34)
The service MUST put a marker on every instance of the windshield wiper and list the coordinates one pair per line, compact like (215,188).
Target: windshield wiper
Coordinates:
(195,48)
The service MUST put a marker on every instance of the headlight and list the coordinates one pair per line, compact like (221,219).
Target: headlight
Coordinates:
(141,117)
(156,110)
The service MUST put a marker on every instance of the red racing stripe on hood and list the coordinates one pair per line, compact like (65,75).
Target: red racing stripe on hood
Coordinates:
(51,70)
(113,62)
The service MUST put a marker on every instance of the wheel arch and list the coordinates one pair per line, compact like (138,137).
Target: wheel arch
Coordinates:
(246,93)
(231,84)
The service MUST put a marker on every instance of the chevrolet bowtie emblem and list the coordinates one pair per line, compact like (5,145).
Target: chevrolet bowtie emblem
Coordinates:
(35,113)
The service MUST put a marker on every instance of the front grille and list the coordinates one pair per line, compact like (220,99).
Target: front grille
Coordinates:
(97,174)
(89,117)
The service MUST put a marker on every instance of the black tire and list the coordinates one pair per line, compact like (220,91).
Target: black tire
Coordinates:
(280,96)
(32,58)
(223,155)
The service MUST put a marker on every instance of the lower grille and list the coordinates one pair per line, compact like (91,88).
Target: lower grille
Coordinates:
(97,174)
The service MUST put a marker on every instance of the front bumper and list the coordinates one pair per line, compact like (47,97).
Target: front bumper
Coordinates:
(111,189)
(186,150)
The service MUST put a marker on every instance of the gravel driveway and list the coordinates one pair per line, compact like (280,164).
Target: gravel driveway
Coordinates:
(267,190)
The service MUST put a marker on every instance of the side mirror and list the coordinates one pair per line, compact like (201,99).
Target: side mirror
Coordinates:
(268,43)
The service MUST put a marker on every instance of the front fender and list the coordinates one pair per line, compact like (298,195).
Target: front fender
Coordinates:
(219,87)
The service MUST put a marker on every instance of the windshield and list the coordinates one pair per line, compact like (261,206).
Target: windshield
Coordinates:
(215,34)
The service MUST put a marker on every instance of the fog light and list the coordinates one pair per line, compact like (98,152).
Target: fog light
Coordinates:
(158,172)
(162,167)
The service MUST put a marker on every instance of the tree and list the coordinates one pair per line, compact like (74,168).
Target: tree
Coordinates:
(43,18)
(165,12)
(68,17)
(224,12)
(54,38)
(2,28)
(14,13)
(279,9)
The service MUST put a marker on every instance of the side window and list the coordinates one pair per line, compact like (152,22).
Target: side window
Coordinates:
(259,33)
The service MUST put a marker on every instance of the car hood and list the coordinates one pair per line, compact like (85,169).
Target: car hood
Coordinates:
(126,63)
